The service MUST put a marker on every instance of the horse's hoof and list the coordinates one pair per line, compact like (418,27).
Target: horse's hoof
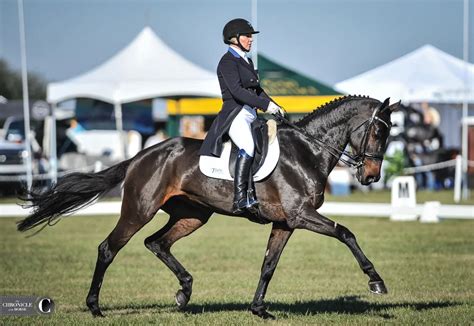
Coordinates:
(97,313)
(181,299)
(378,287)
(264,314)
(94,308)
(267,315)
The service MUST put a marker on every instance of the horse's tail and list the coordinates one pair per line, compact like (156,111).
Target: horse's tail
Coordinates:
(70,194)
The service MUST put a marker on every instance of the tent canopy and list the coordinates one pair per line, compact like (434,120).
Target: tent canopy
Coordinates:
(424,75)
(146,68)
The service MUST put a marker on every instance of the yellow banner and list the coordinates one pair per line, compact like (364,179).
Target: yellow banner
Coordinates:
(211,106)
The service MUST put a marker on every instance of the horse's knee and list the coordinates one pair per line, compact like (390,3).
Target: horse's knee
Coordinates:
(105,255)
(295,223)
(156,246)
(344,234)
(148,243)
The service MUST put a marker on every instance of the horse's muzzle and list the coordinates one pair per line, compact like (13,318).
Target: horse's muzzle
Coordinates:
(367,175)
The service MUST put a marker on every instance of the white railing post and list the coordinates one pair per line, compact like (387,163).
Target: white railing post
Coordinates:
(458,179)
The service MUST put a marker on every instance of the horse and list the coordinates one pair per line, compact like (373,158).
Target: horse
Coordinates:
(166,176)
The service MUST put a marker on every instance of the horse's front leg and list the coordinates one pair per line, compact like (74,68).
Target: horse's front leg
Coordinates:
(313,221)
(276,243)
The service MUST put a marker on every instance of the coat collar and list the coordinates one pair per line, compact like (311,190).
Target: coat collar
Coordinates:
(242,61)
(236,53)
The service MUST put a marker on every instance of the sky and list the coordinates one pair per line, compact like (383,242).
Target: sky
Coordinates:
(329,40)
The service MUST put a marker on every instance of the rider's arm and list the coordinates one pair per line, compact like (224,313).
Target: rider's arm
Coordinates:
(261,92)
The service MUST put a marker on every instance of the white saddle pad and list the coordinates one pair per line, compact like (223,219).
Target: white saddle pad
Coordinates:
(218,167)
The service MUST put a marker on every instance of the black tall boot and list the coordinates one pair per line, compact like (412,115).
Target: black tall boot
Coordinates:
(241,186)
(252,203)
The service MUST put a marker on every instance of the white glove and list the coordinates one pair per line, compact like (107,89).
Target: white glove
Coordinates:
(274,109)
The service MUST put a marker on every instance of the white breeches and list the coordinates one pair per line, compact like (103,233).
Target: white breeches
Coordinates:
(240,131)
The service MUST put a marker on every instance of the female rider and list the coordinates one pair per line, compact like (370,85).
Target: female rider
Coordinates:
(241,95)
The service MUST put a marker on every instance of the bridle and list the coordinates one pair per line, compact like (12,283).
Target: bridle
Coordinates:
(358,160)
(352,161)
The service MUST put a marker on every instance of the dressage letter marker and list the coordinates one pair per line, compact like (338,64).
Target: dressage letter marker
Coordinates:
(403,199)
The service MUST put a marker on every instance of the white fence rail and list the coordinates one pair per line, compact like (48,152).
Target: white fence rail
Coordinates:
(329,208)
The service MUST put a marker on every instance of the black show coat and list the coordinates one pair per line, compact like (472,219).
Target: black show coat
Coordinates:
(240,85)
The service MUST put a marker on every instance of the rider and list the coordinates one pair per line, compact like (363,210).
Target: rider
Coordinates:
(241,95)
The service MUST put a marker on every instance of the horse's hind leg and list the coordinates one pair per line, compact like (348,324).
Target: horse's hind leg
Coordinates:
(160,244)
(128,224)
(276,243)
(316,222)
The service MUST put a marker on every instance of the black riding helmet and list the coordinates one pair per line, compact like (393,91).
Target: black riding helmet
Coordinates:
(235,28)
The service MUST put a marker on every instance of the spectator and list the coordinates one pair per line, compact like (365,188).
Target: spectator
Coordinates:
(431,116)
(75,127)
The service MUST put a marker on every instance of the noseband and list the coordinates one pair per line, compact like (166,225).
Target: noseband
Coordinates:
(353,161)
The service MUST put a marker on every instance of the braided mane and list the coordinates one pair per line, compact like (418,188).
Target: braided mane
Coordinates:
(325,108)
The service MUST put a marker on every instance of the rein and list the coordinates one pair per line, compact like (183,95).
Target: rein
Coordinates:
(352,161)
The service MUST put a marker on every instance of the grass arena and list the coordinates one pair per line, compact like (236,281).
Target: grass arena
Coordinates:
(426,267)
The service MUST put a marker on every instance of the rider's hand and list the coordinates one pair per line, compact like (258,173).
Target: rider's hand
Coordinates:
(275,109)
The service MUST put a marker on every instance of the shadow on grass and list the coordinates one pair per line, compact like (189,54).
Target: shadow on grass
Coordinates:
(351,305)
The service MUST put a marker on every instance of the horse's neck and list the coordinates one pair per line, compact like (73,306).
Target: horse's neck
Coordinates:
(332,129)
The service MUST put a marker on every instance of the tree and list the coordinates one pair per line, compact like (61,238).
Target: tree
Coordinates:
(11,85)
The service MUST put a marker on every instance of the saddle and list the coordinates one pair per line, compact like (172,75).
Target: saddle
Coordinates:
(267,153)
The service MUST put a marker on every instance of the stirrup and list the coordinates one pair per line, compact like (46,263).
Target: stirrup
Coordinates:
(252,201)
(245,205)
(238,208)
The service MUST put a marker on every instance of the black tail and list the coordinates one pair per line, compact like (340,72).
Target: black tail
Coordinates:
(70,194)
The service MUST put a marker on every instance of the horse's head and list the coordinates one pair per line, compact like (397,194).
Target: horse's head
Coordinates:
(370,130)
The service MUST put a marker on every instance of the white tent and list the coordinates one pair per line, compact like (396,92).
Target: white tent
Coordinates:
(146,68)
(424,75)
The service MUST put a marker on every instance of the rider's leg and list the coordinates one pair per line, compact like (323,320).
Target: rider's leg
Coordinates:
(241,134)
(240,130)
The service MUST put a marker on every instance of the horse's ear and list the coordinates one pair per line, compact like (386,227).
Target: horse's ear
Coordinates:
(395,106)
(385,104)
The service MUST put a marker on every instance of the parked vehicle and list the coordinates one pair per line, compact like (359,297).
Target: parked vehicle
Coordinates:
(13,155)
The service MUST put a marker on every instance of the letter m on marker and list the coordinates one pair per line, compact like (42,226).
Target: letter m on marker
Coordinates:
(403,191)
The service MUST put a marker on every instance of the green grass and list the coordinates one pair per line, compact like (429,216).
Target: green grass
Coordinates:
(426,267)
(9,200)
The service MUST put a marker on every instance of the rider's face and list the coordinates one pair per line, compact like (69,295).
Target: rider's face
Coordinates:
(246,41)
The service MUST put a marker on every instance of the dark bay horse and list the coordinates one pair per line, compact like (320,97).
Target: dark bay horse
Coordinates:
(167,177)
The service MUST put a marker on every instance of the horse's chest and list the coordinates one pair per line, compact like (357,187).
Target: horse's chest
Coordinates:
(317,199)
